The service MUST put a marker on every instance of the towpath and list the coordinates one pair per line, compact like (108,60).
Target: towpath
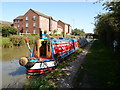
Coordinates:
(71,69)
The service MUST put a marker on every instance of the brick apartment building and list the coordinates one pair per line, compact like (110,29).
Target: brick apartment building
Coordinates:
(66,27)
(32,20)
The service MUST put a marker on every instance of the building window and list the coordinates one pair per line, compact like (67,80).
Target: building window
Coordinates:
(34,24)
(34,17)
(18,26)
(27,31)
(34,31)
(26,18)
(26,24)
(16,21)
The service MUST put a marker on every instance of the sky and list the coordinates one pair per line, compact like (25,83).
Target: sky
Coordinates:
(78,14)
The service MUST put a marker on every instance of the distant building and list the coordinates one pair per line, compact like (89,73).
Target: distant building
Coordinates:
(66,27)
(32,20)
(59,29)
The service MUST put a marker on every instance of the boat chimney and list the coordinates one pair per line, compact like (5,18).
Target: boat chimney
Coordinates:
(40,33)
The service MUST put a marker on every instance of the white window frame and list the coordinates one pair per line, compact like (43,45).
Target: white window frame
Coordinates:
(34,31)
(26,18)
(26,24)
(34,24)
(34,17)
(27,31)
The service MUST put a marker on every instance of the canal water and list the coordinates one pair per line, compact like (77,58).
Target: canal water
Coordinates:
(13,75)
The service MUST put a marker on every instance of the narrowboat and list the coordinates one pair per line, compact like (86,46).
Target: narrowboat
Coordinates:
(47,53)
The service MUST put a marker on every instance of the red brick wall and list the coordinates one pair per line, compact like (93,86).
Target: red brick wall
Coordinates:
(30,22)
(65,27)
(62,25)
(18,22)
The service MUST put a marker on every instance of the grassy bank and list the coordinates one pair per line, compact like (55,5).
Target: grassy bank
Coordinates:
(101,66)
(16,40)
(48,80)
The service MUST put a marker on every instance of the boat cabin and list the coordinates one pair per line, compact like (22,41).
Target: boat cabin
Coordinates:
(42,48)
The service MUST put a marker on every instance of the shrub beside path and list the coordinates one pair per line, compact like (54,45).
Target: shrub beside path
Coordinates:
(71,69)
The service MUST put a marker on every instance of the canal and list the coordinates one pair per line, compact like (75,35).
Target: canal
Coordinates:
(13,75)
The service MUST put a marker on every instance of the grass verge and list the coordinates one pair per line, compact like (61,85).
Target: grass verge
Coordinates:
(102,67)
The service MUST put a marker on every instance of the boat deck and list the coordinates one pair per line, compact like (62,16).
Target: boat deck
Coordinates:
(44,58)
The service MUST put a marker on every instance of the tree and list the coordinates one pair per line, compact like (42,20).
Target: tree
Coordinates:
(114,9)
(8,30)
(54,31)
(78,32)
(45,32)
(107,25)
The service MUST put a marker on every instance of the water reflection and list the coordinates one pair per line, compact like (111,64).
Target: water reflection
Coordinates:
(13,75)
(19,71)
(9,54)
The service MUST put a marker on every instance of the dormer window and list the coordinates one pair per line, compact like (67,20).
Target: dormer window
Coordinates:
(26,18)
(34,17)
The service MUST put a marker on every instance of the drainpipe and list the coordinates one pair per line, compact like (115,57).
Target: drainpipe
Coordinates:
(40,33)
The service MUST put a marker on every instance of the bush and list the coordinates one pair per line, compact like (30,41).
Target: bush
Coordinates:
(17,40)
(31,35)
(6,43)
(56,35)
(34,34)
(60,35)
(45,32)
(31,41)
(8,30)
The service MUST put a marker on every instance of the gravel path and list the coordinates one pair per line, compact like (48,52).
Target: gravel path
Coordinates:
(71,69)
